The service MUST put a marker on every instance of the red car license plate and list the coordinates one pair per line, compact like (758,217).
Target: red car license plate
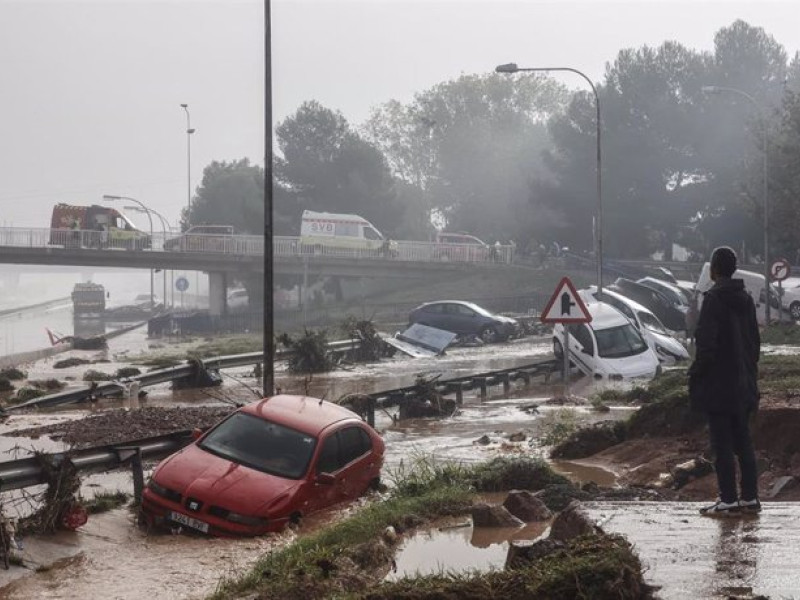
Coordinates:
(188,521)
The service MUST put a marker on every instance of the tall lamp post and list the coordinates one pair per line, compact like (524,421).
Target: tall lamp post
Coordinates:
(110,198)
(164,226)
(189,131)
(513,68)
(718,89)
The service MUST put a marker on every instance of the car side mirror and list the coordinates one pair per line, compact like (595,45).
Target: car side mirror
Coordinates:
(197,433)
(325,479)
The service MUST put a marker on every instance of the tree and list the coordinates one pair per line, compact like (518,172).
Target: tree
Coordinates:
(327,166)
(231,193)
(470,146)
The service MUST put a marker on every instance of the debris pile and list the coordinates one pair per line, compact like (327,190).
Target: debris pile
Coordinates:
(309,352)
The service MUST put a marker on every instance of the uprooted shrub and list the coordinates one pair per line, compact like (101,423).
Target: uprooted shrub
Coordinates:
(24,394)
(426,401)
(309,352)
(372,347)
(57,500)
(125,372)
(70,362)
(13,374)
(93,375)
(6,385)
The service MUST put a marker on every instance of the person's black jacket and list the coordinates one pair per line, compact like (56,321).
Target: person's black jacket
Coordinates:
(724,375)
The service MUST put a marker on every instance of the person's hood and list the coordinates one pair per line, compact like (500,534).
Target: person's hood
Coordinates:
(732,293)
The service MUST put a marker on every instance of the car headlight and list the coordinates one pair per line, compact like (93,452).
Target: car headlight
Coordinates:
(160,490)
(247,520)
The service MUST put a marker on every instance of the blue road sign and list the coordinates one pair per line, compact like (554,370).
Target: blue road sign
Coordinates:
(181,284)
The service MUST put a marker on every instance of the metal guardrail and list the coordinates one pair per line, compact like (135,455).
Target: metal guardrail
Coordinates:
(251,245)
(24,472)
(184,371)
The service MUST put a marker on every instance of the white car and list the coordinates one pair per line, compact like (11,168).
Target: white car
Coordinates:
(790,300)
(238,299)
(669,350)
(608,347)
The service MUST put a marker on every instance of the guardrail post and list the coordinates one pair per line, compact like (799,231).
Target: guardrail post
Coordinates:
(138,476)
(482,387)
(506,383)
(371,411)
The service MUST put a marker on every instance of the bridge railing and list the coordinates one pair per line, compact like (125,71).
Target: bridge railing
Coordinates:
(249,245)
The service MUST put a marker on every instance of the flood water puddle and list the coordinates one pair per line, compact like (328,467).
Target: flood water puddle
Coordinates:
(459,548)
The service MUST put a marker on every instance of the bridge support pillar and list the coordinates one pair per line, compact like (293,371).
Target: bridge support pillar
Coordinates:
(217,293)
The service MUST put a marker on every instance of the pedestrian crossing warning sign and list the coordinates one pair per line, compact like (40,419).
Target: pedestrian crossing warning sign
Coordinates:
(566,305)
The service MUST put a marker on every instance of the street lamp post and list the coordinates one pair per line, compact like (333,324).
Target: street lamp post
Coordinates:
(598,225)
(164,226)
(716,89)
(110,198)
(189,132)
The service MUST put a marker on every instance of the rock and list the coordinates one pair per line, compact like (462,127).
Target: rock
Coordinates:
(523,552)
(484,515)
(483,440)
(519,436)
(557,496)
(572,522)
(390,535)
(526,507)
(786,482)
(689,470)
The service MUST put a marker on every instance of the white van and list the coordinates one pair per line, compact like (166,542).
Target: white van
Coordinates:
(320,231)
(610,346)
(668,350)
(753,284)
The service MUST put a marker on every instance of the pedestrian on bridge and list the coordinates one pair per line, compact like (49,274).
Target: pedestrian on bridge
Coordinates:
(723,383)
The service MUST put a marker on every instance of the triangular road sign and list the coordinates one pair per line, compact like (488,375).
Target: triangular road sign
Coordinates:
(566,305)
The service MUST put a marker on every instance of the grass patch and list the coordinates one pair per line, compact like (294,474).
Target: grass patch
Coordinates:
(224,346)
(94,375)
(346,558)
(6,385)
(125,372)
(48,385)
(557,427)
(784,334)
(591,567)
(591,440)
(24,394)
(105,501)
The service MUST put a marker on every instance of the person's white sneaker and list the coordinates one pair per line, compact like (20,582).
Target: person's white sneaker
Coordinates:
(750,506)
(721,509)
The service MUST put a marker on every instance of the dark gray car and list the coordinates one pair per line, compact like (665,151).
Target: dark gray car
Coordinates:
(464,318)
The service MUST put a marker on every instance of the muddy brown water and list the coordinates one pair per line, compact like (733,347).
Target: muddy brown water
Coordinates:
(111,558)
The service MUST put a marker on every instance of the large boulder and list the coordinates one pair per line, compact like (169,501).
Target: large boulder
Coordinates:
(526,507)
(485,515)
(572,522)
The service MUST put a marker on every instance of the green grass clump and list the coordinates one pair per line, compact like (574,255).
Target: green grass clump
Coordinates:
(94,375)
(125,372)
(590,567)
(105,501)
(24,394)
(224,346)
(785,334)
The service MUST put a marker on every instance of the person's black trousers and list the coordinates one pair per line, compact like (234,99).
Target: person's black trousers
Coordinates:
(730,439)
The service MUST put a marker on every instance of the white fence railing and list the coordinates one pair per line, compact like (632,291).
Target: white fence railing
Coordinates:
(249,245)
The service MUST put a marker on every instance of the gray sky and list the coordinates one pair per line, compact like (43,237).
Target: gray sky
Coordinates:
(90,91)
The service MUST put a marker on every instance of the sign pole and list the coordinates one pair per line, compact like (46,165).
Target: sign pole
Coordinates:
(565,352)
(780,301)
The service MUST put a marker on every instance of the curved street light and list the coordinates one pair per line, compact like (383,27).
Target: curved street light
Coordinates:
(189,132)
(717,89)
(110,198)
(164,226)
(513,68)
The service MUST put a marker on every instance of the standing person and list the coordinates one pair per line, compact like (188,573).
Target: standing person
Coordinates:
(723,383)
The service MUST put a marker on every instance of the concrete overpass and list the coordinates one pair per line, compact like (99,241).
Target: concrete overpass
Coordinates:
(222,256)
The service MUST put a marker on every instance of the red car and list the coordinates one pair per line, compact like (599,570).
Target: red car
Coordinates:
(267,464)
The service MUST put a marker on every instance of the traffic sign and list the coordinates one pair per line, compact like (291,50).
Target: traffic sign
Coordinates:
(780,269)
(181,284)
(566,305)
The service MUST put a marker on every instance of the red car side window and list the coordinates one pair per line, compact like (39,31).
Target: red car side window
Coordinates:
(354,443)
(329,455)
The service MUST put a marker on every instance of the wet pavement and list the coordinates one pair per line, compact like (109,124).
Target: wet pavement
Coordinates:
(691,556)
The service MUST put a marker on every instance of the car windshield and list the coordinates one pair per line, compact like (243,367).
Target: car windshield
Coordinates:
(618,342)
(651,322)
(261,445)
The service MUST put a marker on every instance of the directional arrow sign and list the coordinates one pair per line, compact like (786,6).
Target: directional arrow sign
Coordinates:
(565,306)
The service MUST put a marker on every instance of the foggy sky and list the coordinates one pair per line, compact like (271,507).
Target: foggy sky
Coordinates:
(90,91)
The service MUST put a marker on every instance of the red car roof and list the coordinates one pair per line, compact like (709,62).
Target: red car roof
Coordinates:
(303,413)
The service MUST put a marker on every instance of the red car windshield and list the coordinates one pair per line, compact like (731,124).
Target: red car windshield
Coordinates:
(261,445)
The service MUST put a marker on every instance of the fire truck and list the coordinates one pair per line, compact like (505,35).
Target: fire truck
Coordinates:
(95,226)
